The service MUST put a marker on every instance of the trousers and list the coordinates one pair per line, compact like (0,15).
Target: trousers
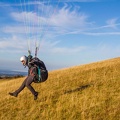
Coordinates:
(27,83)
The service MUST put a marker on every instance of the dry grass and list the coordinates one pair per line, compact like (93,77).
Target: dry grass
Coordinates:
(87,92)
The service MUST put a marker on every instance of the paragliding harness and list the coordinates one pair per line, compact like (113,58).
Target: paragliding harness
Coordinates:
(41,71)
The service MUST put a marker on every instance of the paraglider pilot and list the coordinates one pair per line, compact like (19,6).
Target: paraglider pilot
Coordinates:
(29,79)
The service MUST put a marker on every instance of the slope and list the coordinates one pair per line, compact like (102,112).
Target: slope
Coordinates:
(86,92)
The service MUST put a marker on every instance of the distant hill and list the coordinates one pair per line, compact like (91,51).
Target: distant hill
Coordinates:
(86,92)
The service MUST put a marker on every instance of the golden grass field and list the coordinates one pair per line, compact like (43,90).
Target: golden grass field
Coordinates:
(85,92)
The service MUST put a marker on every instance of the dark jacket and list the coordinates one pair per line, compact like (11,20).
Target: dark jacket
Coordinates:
(33,71)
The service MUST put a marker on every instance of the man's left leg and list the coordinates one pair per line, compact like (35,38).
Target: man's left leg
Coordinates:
(28,85)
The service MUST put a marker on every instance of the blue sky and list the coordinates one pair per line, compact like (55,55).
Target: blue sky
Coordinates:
(68,32)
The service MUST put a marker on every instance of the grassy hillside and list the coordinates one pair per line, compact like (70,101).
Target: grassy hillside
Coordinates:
(86,92)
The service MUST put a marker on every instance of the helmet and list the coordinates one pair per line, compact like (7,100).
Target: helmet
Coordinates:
(24,60)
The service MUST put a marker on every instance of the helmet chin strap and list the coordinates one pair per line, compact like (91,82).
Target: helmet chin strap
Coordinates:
(24,66)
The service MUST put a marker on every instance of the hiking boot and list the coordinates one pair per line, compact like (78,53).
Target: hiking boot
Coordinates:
(35,96)
(13,94)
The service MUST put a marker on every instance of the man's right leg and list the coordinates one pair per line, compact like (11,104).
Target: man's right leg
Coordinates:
(15,94)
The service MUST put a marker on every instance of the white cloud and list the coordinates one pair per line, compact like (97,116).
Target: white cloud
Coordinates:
(24,3)
(76,0)
(100,33)
(107,50)
(20,3)
(63,20)
(13,43)
(67,50)
(52,47)
(27,30)
(112,23)
(66,18)
(28,18)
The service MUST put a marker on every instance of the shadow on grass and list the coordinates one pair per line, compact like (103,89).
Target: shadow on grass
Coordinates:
(77,89)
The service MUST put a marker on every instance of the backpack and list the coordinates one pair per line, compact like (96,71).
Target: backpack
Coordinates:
(41,72)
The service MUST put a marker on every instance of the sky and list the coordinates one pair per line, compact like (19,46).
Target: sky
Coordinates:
(68,32)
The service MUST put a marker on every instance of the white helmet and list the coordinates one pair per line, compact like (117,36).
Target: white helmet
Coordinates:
(24,58)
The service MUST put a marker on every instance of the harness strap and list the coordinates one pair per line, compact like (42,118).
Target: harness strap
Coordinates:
(39,75)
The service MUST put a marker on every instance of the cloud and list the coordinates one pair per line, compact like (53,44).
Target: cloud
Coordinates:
(67,50)
(97,33)
(109,29)
(63,20)
(28,18)
(13,44)
(66,18)
(17,45)
(107,50)
(78,0)
(19,3)
(112,23)
(24,3)
(52,47)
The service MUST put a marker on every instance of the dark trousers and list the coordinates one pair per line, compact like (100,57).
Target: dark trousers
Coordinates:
(27,83)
